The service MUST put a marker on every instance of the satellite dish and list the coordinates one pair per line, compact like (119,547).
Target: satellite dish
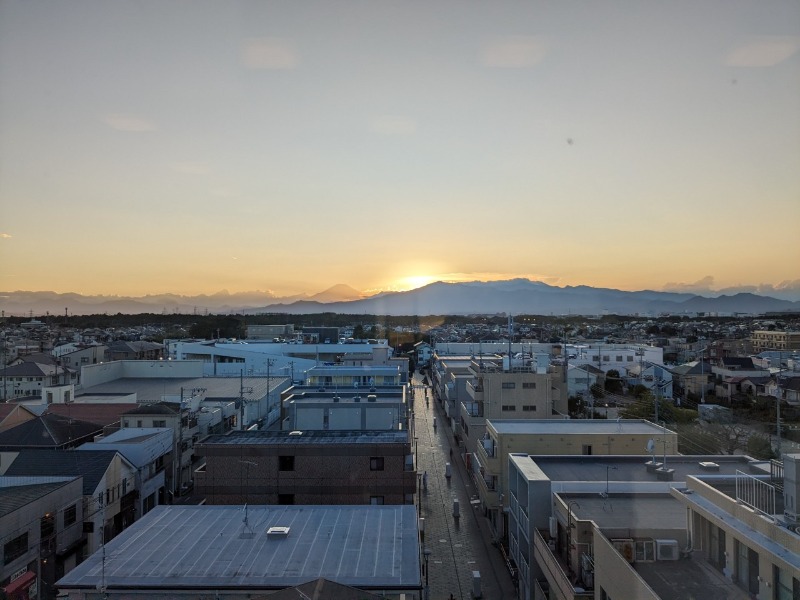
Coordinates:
(651,446)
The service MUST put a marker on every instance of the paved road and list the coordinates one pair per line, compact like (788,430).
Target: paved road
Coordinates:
(458,546)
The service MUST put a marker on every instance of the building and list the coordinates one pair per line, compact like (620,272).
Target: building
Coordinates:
(40,530)
(503,389)
(150,451)
(121,350)
(109,490)
(377,408)
(586,437)
(237,552)
(746,526)
(308,467)
(614,526)
(269,332)
(49,431)
(775,340)
(693,378)
(26,379)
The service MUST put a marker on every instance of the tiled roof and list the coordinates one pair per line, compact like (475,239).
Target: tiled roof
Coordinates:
(92,465)
(99,413)
(158,408)
(17,496)
(47,431)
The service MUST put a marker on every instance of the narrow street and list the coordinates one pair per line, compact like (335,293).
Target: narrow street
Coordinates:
(458,545)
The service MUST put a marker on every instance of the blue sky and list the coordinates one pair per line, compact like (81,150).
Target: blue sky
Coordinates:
(190,147)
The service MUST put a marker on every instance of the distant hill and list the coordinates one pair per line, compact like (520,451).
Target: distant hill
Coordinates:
(531,297)
(515,296)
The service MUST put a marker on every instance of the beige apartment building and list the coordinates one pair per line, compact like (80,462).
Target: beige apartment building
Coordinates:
(763,339)
(550,437)
(509,390)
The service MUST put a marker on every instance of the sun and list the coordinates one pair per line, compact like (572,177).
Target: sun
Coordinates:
(414,281)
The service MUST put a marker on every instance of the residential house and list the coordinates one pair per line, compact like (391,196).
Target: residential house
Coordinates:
(150,451)
(26,379)
(40,531)
(108,486)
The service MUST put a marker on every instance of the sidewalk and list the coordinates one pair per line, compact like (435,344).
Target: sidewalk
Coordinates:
(458,545)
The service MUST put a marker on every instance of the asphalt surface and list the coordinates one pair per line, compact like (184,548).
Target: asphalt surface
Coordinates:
(458,546)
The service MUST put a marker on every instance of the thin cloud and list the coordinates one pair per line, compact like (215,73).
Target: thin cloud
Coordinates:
(131,123)
(5,236)
(514,52)
(393,125)
(268,53)
(763,51)
(701,285)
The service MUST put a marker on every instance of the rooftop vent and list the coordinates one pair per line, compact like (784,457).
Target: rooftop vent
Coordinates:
(356,398)
(372,398)
(278,532)
(709,466)
(295,433)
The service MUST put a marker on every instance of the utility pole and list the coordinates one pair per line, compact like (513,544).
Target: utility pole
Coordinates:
(778,404)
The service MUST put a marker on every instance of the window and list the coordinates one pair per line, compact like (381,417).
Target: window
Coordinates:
(630,359)
(619,357)
(376,500)
(528,385)
(139,423)
(509,385)
(47,526)
(286,499)
(587,449)
(159,423)
(70,515)
(528,408)
(508,408)
(100,499)
(286,463)
(376,463)
(15,548)
(605,358)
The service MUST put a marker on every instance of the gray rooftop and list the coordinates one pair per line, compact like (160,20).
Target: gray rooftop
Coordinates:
(309,437)
(575,426)
(201,547)
(629,511)
(632,468)
(153,389)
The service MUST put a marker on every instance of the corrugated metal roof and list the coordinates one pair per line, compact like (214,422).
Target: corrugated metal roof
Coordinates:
(193,547)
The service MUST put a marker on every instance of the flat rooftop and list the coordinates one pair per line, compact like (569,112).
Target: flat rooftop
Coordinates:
(632,468)
(576,426)
(310,437)
(629,511)
(202,547)
(149,389)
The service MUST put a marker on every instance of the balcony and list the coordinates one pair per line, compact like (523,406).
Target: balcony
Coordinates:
(555,570)
(488,458)
(475,390)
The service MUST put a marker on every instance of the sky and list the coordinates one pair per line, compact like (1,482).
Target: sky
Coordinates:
(191,147)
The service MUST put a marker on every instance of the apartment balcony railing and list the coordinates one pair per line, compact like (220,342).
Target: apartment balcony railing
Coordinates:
(555,570)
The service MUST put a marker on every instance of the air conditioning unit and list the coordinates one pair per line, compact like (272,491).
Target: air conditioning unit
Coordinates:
(667,550)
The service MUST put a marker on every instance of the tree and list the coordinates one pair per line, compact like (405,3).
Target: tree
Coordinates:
(613,382)
(694,439)
(731,436)
(760,447)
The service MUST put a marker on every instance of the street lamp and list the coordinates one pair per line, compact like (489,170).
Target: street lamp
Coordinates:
(427,553)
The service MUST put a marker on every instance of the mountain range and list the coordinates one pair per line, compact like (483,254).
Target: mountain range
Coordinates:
(515,296)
